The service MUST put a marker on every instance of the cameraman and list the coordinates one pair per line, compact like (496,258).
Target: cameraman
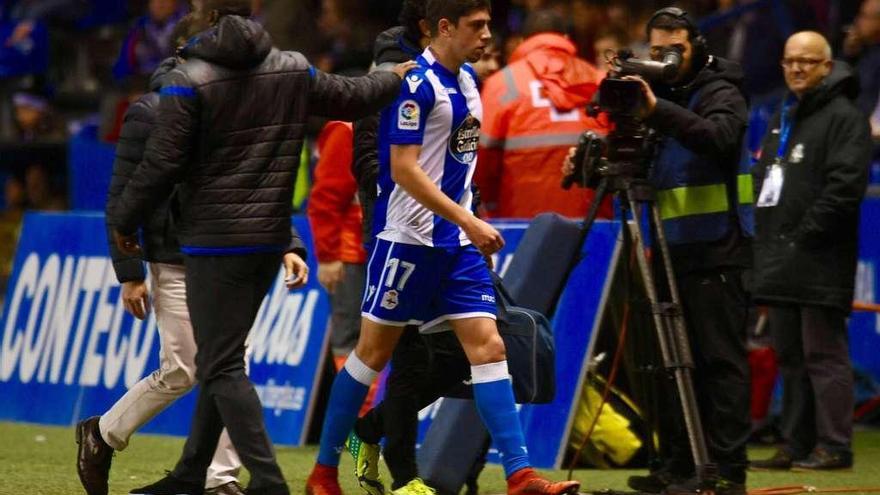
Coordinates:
(701,119)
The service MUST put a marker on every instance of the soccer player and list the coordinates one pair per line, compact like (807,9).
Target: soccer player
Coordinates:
(427,265)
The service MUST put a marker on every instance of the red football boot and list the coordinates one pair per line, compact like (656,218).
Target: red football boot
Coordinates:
(324,480)
(527,482)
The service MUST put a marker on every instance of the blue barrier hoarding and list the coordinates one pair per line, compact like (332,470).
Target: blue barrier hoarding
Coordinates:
(864,327)
(69,350)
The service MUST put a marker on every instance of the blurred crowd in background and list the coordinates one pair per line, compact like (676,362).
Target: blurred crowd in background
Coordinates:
(70,68)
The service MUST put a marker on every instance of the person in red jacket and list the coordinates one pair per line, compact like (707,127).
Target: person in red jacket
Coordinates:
(533,112)
(335,218)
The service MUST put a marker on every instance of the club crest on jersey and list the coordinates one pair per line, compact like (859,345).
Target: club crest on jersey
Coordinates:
(389,299)
(465,140)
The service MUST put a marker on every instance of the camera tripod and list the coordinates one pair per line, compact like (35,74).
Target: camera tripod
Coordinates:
(634,195)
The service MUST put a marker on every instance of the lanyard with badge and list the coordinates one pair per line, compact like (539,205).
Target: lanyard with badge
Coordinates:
(771,190)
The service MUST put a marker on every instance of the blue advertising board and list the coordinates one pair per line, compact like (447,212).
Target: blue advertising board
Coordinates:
(864,327)
(68,349)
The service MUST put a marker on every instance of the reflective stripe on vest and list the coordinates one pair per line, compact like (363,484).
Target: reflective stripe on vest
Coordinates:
(692,200)
(700,200)
(744,189)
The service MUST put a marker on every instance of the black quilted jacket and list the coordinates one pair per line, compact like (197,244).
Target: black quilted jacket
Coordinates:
(159,237)
(229,129)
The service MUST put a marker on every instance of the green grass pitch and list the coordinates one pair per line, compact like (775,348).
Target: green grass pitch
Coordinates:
(40,460)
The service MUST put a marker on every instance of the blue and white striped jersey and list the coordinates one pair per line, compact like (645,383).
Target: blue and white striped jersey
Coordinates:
(440,111)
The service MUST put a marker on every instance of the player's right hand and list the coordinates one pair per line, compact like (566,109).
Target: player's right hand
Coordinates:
(484,236)
(402,69)
(136,298)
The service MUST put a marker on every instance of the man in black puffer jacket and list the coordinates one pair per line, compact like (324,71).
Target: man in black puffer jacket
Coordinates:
(229,130)
(809,182)
(100,436)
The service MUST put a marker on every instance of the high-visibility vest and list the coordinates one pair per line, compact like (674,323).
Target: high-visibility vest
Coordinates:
(697,202)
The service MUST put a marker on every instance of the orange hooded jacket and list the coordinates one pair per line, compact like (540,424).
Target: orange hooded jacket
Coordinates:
(334,213)
(533,112)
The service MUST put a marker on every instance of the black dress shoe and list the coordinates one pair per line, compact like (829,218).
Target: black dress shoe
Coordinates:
(169,485)
(824,460)
(718,486)
(231,488)
(781,461)
(654,482)
(93,457)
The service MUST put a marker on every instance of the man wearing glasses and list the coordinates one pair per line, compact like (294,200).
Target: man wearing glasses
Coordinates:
(809,182)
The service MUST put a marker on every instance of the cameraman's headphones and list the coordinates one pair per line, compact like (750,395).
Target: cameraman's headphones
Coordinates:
(698,41)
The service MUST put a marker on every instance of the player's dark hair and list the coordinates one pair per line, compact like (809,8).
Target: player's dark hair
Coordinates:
(453,10)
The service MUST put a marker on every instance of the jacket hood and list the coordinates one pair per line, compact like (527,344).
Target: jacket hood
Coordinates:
(235,42)
(569,81)
(720,69)
(392,46)
(841,81)
(164,68)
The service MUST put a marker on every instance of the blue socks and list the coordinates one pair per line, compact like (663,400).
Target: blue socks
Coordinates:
(348,393)
(493,394)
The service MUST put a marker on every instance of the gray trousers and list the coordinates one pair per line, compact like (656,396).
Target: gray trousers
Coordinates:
(817,399)
(344,324)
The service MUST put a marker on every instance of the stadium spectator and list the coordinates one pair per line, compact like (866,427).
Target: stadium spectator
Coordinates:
(149,40)
(809,183)
(862,46)
(30,10)
(34,118)
(10,225)
(39,190)
(258,14)
(608,42)
(586,16)
(234,210)
(489,63)
(348,31)
(534,110)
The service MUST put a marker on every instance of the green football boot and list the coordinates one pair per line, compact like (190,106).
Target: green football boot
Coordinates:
(415,487)
(366,464)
